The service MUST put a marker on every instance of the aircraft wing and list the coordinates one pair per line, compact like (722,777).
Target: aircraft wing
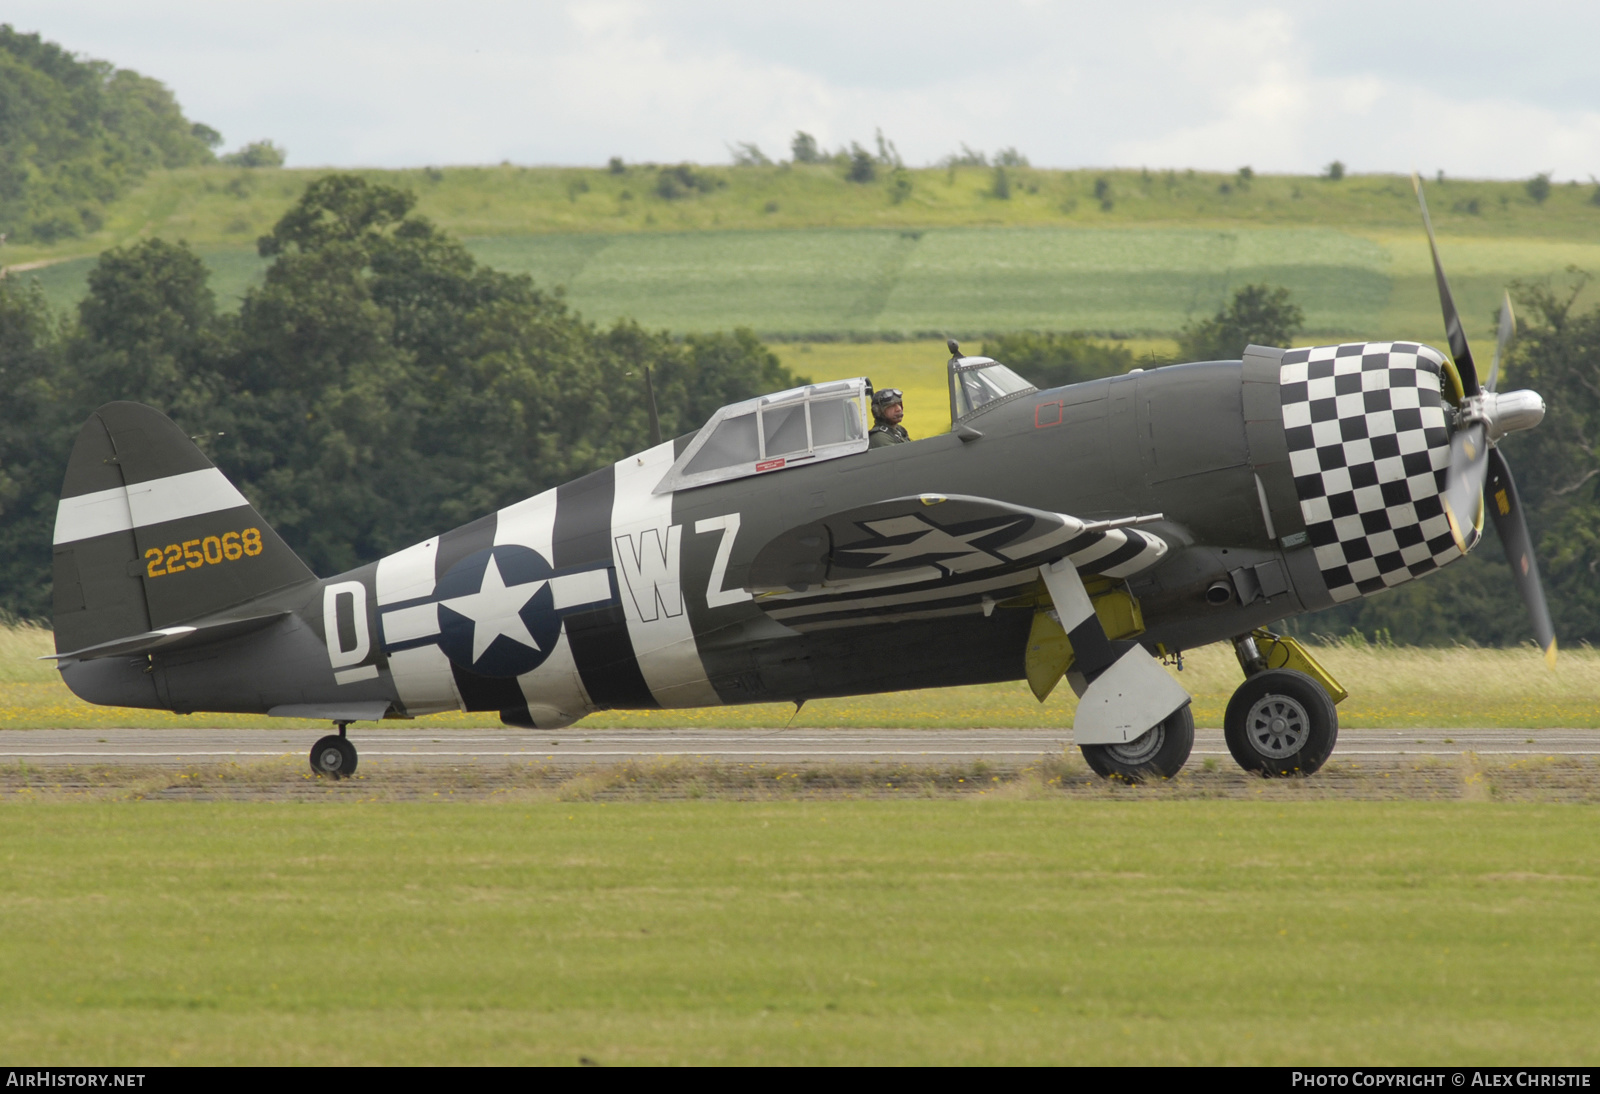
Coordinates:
(908,556)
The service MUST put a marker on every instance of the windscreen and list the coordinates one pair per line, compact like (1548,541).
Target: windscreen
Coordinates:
(975,382)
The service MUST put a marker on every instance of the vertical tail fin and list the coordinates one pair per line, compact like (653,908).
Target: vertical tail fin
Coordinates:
(150,534)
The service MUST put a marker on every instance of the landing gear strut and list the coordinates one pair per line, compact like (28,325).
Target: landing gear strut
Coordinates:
(334,756)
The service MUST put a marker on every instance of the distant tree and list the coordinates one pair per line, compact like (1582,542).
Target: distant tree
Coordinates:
(888,155)
(803,148)
(36,429)
(683,180)
(1258,314)
(336,209)
(1055,360)
(147,330)
(900,187)
(967,157)
(256,154)
(148,327)
(1334,171)
(205,134)
(1243,177)
(1010,157)
(747,154)
(862,166)
(1557,353)
(616,166)
(76,133)
(1102,193)
(1001,186)
(1538,187)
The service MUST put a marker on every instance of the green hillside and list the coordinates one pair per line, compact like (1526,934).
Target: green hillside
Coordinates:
(802,252)
(76,133)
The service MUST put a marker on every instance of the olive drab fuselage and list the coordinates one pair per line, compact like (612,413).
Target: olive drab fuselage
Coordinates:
(1260,488)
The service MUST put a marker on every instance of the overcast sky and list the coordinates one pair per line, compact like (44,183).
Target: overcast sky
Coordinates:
(1470,87)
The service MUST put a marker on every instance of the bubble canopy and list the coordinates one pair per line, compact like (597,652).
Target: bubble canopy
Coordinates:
(772,432)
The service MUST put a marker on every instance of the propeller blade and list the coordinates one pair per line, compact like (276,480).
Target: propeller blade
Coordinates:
(1452,318)
(1508,324)
(1463,492)
(1500,495)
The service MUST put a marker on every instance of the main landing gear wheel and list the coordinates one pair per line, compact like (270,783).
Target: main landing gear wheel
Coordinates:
(1158,754)
(333,756)
(1279,723)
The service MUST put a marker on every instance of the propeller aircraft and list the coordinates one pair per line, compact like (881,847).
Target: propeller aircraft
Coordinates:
(1084,532)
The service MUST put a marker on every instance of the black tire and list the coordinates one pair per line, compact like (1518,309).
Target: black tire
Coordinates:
(1159,754)
(333,756)
(1281,723)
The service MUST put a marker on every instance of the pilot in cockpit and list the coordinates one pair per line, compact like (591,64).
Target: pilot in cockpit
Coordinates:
(887,410)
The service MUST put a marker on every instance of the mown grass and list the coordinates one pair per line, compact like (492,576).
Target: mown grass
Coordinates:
(831,256)
(971,931)
(1391,687)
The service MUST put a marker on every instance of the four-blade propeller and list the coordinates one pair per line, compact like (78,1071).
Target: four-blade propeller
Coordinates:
(1479,474)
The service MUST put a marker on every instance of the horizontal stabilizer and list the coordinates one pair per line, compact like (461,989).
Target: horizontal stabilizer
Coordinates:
(170,638)
(371,710)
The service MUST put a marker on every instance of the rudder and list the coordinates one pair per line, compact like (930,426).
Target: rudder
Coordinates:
(150,534)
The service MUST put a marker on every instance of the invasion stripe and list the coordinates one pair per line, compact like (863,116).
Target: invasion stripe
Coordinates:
(1088,557)
(786,610)
(600,644)
(1124,552)
(157,501)
(1150,551)
(967,602)
(809,626)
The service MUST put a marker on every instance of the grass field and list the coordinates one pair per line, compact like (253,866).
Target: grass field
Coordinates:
(1133,281)
(834,257)
(969,931)
(1390,688)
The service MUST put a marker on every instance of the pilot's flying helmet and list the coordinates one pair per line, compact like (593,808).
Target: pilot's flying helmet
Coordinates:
(883,400)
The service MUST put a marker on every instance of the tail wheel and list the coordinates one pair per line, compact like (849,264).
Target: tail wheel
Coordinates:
(1158,754)
(334,757)
(1280,723)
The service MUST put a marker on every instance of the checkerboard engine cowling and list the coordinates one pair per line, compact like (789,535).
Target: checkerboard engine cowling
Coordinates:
(1370,450)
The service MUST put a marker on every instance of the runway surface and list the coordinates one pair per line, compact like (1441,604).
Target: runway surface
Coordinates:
(577,747)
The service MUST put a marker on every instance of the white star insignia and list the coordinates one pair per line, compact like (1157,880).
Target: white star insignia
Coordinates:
(495,610)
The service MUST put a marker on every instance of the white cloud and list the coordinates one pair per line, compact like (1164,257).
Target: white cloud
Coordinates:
(1279,85)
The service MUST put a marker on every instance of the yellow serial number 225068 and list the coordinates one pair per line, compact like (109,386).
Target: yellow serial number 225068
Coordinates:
(192,554)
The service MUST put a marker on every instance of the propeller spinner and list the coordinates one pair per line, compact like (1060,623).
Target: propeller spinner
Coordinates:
(1478,473)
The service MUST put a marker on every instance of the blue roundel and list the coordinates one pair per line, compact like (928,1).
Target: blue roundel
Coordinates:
(497,614)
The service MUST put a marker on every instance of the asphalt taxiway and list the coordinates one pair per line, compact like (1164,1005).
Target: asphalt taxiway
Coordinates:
(578,746)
